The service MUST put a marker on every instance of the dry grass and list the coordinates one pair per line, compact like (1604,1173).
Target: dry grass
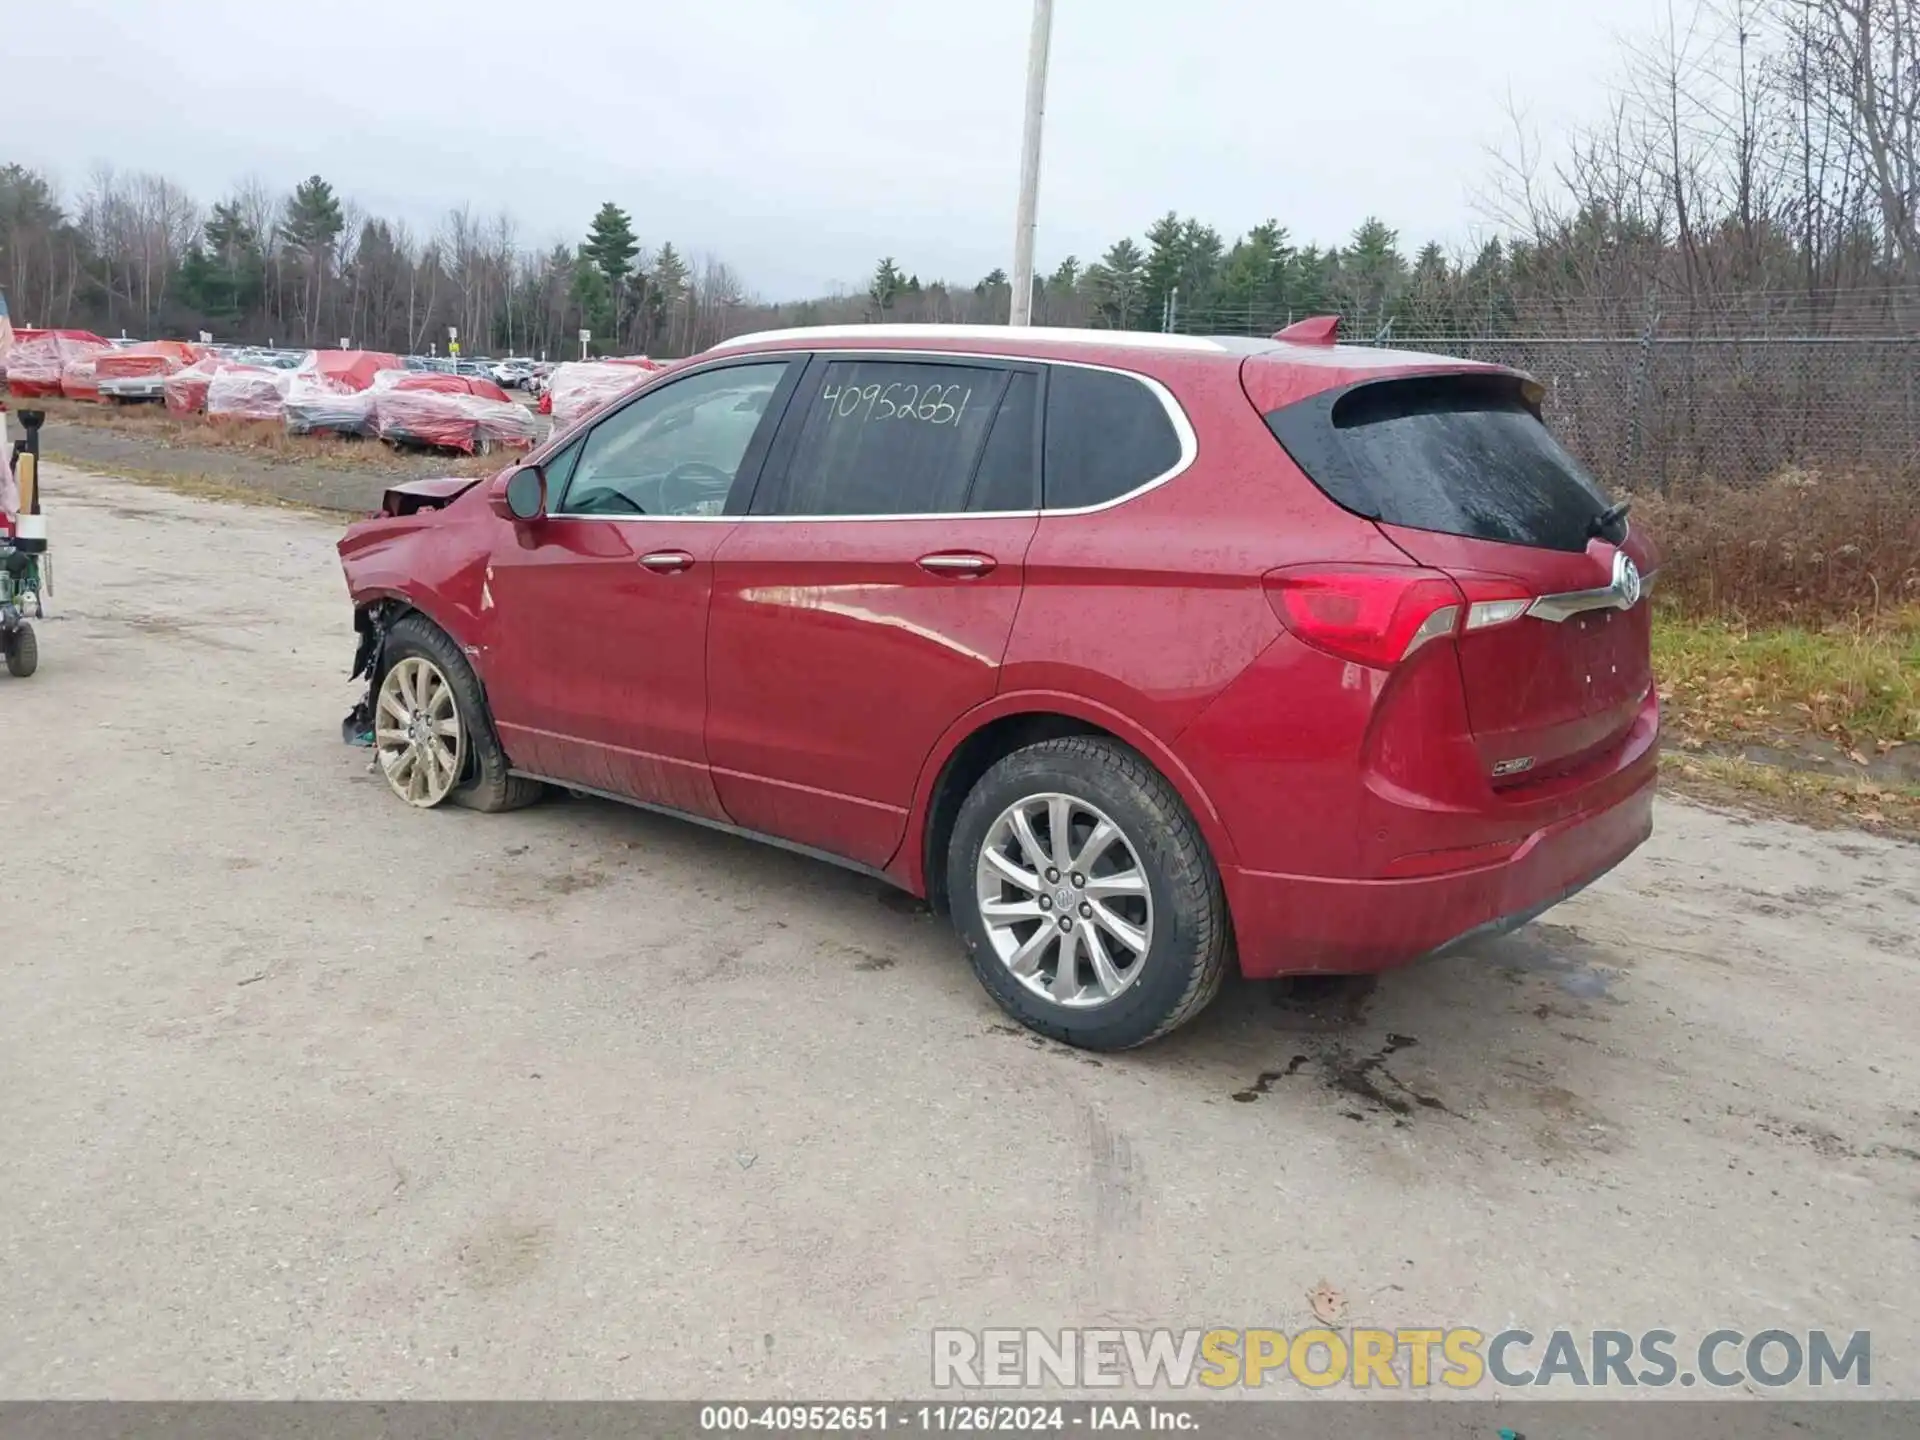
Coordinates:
(1804,548)
(1827,801)
(264,440)
(1853,683)
(1787,643)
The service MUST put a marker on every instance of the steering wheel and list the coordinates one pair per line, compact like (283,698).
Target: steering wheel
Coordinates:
(697,473)
(596,501)
(689,485)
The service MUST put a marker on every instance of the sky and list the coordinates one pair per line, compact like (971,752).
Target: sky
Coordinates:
(801,140)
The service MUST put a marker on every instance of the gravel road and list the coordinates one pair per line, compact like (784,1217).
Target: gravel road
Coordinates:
(304,1093)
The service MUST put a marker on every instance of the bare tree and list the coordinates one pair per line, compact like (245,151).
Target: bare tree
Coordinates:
(1865,56)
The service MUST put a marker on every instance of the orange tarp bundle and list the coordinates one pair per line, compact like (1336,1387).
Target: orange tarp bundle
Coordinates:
(150,357)
(349,369)
(38,362)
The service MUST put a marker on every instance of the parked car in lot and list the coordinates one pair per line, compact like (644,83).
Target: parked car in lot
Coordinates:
(1138,655)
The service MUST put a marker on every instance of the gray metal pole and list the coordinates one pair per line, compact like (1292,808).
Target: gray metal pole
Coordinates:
(1022,309)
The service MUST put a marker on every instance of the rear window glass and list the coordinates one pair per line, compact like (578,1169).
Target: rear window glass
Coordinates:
(886,438)
(1456,454)
(1007,470)
(1106,434)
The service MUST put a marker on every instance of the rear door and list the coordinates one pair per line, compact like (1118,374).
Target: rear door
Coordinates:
(864,603)
(1461,474)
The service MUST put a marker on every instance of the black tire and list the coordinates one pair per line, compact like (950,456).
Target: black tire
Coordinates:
(486,784)
(23,652)
(1191,944)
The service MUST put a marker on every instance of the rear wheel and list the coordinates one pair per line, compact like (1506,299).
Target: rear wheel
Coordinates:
(23,652)
(1089,905)
(433,737)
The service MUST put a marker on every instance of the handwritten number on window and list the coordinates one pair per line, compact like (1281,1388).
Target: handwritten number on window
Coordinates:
(931,405)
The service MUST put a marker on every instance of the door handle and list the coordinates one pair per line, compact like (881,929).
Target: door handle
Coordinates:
(963,565)
(667,562)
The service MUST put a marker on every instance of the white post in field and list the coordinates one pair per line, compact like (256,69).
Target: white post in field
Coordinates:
(1022,309)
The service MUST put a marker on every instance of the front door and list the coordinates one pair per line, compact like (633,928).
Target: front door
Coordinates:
(865,603)
(601,630)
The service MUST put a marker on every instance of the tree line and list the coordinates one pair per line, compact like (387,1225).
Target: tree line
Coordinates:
(1759,163)
(136,253)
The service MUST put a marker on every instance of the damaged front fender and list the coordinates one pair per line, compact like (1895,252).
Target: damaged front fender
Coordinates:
(371,623)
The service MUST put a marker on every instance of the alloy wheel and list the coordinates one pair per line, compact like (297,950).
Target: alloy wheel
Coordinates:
(1065,900)
(417,732)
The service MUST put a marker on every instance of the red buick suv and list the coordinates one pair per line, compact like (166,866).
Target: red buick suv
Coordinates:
(1137,655)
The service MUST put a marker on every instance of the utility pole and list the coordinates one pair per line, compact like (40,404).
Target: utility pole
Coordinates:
(1022,309)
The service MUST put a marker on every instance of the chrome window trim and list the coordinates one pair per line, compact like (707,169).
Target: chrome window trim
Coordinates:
(1177,416)
(1034,334)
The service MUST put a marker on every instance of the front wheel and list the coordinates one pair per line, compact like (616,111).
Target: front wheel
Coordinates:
(432,736)
(23,652)
(1090,907)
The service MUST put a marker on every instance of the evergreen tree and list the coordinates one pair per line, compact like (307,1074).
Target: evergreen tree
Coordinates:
(610,244)
(224,273)
(313,219)
(666,288)
(1200,249)
(1373,276)
(610,247)
(592,298)
(1252,284)
(1166,255)
(888,283)
(1115,283)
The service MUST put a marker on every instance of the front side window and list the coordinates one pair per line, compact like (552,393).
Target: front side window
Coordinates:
(677,449)
(885,437)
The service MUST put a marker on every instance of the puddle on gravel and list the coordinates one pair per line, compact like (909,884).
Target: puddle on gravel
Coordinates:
(1354,1078)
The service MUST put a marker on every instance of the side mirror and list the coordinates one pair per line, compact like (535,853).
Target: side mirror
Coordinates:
(525,495)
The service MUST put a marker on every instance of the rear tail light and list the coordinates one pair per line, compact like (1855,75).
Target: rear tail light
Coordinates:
(1374,614)
(1378,615)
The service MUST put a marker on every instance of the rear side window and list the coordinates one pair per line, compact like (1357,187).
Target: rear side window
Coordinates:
(1456,454)
(1009,468)
(1106,434)
(885,437)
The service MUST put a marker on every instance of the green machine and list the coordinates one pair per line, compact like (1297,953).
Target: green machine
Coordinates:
(25,570)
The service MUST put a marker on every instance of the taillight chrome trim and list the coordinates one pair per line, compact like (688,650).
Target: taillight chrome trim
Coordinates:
(1438,626)
(1622,593)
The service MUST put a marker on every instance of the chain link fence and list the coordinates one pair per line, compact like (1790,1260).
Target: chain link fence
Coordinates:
(1696,399)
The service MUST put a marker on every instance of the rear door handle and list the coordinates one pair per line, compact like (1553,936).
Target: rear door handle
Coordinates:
(667,562)
(961,564)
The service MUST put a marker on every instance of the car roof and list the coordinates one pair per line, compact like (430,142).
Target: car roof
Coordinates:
(1111,346)
(1000,339)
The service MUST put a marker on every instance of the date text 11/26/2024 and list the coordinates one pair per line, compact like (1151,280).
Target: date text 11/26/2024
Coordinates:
(1005,1419)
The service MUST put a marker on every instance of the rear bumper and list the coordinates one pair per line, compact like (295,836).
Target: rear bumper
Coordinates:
(1293,924)
(135,387)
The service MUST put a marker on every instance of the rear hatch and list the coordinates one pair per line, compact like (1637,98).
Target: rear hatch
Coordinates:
(1459,472)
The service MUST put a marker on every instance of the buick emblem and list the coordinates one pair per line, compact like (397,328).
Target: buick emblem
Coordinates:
(1626,581)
